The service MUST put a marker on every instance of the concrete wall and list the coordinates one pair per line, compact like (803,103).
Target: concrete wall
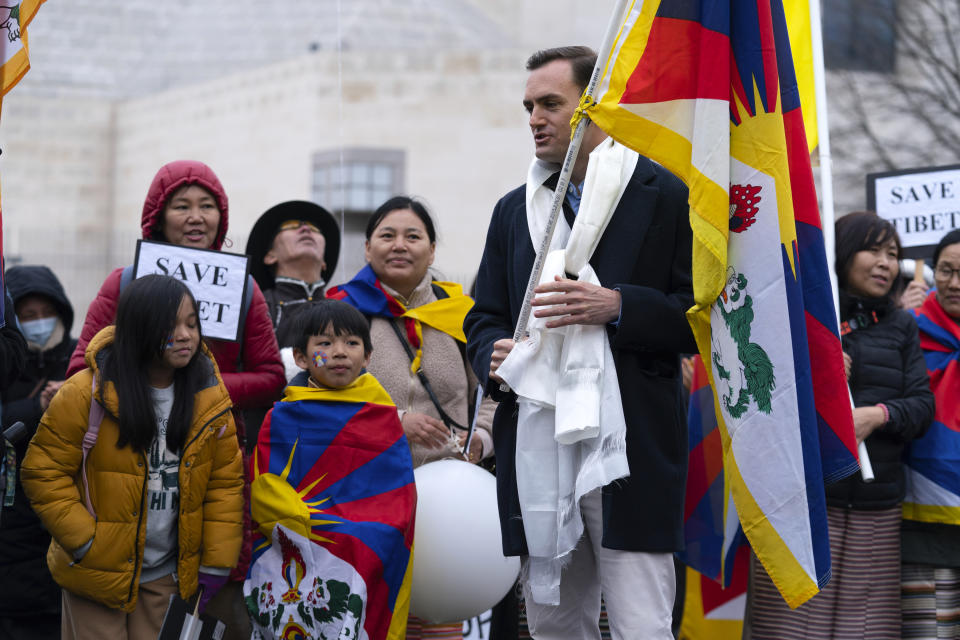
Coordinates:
(56,170)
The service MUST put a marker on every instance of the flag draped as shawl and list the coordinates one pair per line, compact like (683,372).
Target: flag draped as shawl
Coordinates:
(334,500)
(933,461)
(366,293)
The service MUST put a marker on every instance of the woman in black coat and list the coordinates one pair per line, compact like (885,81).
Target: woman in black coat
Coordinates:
(29,598)
(893,405)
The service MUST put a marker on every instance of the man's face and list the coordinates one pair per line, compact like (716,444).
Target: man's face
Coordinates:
(303,242)
(550,98)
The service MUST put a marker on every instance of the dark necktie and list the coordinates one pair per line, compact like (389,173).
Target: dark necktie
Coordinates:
(568,212)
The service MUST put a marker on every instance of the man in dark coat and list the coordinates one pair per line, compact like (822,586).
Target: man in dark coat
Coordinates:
(29,598)
(643,263)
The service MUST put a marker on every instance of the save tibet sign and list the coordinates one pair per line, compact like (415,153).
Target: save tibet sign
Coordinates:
(218,280)
(922,204)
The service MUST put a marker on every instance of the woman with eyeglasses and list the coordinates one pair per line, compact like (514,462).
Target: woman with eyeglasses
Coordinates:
(893,405)
(930,576)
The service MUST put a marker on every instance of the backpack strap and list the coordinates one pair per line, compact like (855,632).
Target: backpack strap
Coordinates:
(94,418)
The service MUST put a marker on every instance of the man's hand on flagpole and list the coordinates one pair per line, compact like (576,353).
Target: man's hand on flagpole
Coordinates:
(501,349)
(575,302)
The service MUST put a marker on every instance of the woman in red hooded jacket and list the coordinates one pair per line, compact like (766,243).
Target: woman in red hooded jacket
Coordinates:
(186,205)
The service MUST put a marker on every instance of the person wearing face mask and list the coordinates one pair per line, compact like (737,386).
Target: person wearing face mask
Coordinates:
(29,598)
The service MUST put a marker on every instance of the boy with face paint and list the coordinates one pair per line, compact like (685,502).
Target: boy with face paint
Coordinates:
(29,598)
(332,396)
(332,345)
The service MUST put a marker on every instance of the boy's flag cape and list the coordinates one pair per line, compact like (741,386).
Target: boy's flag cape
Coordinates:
(14,64)
(366,294)
(933,461)
(707,88)
(334,500)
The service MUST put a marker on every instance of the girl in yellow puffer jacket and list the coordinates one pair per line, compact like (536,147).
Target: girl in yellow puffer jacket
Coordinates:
(155,507)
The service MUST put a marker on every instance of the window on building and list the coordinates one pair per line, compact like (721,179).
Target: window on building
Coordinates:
(859,35)
(361,182)
(351,185)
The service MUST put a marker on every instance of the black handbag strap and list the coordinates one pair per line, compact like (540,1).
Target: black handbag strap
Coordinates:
(444,416)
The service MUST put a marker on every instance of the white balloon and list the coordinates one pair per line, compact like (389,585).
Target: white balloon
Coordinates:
(459,569)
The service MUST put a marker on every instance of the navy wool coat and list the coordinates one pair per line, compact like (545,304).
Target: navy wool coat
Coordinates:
(645,252)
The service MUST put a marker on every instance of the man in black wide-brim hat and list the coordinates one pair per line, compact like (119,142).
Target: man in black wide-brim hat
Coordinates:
(293,251)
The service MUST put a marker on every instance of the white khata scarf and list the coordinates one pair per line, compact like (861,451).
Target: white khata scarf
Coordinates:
(571,433)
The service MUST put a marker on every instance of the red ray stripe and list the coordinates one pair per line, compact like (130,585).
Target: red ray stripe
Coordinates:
(392,508)
(829,384)
(355,438)
(700,477)
(682,60)
(805,207)
(769,52)
(713,595)
(263,448)
(368,565)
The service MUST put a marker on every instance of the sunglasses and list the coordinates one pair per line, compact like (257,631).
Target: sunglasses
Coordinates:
(290,225)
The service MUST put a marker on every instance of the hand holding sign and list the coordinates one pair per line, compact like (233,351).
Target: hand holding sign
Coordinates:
(218,281)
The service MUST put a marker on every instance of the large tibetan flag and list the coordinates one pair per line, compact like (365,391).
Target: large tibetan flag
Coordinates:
(707,88)
(933,461)
(334,500)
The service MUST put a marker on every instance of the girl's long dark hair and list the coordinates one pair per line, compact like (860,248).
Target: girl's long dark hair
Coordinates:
(146,316)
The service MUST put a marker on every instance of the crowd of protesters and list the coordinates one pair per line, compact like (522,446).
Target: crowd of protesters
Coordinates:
(84,557)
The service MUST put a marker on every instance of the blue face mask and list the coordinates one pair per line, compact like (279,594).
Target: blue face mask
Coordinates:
(39,331)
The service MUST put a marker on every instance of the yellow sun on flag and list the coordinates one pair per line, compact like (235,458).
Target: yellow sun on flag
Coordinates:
(273,500)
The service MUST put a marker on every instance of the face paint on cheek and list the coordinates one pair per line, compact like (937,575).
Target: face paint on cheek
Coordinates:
(319,358)
(169,343)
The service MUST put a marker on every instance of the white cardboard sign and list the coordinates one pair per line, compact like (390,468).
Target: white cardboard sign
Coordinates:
(922,204)
(217,280)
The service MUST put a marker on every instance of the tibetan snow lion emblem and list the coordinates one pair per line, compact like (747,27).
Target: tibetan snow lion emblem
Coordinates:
(10,20)
(743,368)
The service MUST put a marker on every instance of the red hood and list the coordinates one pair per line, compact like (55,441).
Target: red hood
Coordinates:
(171,177)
